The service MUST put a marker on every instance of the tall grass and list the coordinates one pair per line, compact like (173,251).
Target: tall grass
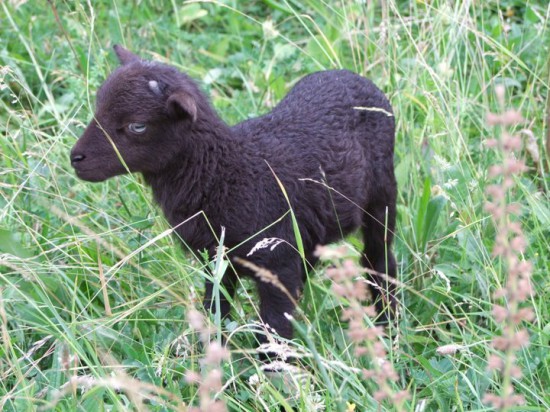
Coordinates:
(95,290)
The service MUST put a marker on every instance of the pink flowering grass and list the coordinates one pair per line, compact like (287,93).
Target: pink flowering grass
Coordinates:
(511,312)
(209,380)
(367,339)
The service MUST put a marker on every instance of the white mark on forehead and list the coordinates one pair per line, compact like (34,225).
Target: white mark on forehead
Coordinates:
(154,86)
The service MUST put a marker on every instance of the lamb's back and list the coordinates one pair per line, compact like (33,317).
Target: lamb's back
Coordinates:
(322,94)
(323,108)
(319,136)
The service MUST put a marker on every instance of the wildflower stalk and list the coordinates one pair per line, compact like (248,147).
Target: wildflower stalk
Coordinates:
(350,285)
(210,380)
(509,246)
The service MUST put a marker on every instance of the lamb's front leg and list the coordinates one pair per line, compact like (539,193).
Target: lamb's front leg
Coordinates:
(279,294)
(229,282)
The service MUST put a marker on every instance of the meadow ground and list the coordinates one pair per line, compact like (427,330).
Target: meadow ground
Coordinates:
(95,292)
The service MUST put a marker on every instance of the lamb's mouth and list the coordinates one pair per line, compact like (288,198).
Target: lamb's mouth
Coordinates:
(90,175)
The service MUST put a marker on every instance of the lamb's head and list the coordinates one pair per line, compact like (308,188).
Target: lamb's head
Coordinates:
(144,111)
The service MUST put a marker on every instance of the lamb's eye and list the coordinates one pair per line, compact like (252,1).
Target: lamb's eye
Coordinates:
(137,128)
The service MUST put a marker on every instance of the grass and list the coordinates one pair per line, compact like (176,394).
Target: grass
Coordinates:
(94,288)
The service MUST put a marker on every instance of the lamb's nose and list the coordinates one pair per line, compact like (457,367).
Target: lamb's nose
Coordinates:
(75,158)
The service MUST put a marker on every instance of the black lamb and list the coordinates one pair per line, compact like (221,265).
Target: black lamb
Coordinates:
(328,145)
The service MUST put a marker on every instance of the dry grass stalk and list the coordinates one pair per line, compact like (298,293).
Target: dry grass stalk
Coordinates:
(265,275)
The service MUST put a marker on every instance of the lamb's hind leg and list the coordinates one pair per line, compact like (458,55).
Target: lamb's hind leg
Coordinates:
(378,230)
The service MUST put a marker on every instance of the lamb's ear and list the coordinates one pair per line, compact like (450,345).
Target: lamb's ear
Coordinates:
(125,56)
(181,104)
